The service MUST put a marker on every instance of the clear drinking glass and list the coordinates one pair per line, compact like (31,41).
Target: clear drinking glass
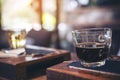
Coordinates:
(92,45)
(16,38)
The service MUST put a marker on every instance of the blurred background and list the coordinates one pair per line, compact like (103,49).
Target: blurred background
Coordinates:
(49,22)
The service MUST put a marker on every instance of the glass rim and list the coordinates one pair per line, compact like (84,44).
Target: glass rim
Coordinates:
(87,29)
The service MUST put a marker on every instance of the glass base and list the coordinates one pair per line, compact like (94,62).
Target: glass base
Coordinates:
(94,64)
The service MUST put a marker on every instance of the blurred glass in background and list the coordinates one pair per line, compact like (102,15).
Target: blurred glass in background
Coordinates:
(28,15)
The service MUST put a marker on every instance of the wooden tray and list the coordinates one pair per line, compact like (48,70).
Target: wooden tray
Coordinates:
(22,68)
(74,71)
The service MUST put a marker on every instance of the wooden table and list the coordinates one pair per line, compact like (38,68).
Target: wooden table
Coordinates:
(23,68)
(64,71)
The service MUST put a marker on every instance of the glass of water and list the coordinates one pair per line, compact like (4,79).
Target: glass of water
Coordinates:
(16,38)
